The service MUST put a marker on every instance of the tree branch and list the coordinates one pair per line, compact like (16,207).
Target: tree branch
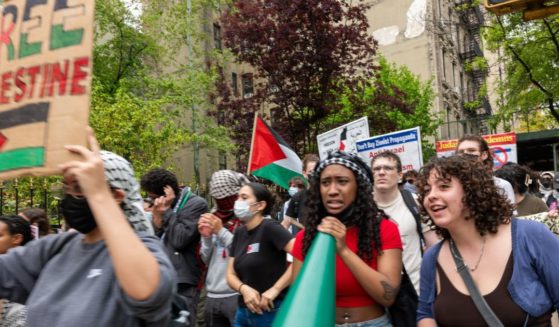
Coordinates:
(536,83)
(553,36)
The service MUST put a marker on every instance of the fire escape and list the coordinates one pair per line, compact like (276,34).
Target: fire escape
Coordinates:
(472,19)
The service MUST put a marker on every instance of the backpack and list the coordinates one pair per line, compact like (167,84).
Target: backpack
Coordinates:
(412,205)
(403,311)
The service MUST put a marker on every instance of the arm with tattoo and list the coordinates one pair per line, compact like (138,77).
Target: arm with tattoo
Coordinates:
(381,284)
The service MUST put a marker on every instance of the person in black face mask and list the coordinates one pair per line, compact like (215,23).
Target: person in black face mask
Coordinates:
(112,272)
(368,244)
(547,189)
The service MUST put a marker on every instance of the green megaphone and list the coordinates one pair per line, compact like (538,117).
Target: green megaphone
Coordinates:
(311,300)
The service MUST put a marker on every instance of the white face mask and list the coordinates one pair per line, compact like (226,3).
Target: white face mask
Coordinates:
(293,190)
(242,210)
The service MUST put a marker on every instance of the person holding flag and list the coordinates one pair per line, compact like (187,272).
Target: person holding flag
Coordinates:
(368,244)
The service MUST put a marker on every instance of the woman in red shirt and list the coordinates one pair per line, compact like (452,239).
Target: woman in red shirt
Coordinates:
(369,249)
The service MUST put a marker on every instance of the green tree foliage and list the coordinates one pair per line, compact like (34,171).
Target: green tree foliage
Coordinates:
(140,107)
(529,53)
(146,93)
(394,99)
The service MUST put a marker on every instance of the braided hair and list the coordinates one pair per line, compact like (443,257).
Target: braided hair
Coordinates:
(366,216)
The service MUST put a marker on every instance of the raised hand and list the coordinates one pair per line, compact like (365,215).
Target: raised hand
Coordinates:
(86,175)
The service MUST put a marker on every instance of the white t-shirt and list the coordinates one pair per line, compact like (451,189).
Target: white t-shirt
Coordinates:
(506,189)
(411,256)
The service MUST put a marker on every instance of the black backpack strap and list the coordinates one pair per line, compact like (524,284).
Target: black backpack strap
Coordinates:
(414,209)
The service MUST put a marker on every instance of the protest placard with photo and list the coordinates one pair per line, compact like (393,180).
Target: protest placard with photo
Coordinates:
(343,137)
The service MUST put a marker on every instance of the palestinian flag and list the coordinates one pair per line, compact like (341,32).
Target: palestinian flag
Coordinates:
(22,136)
(270,156)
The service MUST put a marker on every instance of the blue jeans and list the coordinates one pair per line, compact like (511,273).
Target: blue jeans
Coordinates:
(382,321)
(245,318)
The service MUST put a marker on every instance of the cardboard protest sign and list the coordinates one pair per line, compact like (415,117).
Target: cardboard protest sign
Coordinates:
(45,82)
(502,147)
(343,137)
(406,144)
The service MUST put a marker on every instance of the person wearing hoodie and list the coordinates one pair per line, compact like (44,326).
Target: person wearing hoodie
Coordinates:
(217,230)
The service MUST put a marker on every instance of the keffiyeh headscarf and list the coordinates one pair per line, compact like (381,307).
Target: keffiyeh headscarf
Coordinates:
(348,160)
(119,174)
(225,183)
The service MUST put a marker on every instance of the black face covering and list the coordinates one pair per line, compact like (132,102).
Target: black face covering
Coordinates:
(546,183)
(344,216)
(77,214)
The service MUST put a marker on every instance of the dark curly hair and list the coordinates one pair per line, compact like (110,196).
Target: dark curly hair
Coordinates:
(156,179)
(487,206)
(18,225)
(366,216)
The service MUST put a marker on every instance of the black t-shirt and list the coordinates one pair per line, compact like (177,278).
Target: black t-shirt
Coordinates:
(259,256)
(297,208)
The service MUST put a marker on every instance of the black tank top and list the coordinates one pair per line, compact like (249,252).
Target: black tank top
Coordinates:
(453,308)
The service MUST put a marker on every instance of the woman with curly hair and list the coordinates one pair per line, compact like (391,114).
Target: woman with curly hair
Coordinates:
(368,245)
(512,262)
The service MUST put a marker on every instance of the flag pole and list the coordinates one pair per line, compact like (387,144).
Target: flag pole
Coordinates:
(252,142)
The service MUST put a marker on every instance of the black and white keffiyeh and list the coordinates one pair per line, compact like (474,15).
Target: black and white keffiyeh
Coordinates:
(225,183)
(119,174)
(350,161)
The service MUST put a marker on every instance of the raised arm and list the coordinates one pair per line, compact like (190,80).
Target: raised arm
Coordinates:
(136,268)
(181,228)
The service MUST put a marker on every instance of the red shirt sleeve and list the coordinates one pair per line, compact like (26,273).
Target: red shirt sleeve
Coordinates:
(389,235)
(298,246)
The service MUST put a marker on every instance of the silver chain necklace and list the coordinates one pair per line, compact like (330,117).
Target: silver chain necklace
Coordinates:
(456,255)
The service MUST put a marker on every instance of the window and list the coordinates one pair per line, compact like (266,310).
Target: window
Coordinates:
(222,160)
(454,74)
(221,117)
(444,64)
(217,36)
(248,88)
(461,84)
(234,84)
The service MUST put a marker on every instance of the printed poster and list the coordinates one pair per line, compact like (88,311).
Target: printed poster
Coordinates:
(502,147)
(406,144)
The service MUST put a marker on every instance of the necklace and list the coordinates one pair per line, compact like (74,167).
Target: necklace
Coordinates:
(457,255)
